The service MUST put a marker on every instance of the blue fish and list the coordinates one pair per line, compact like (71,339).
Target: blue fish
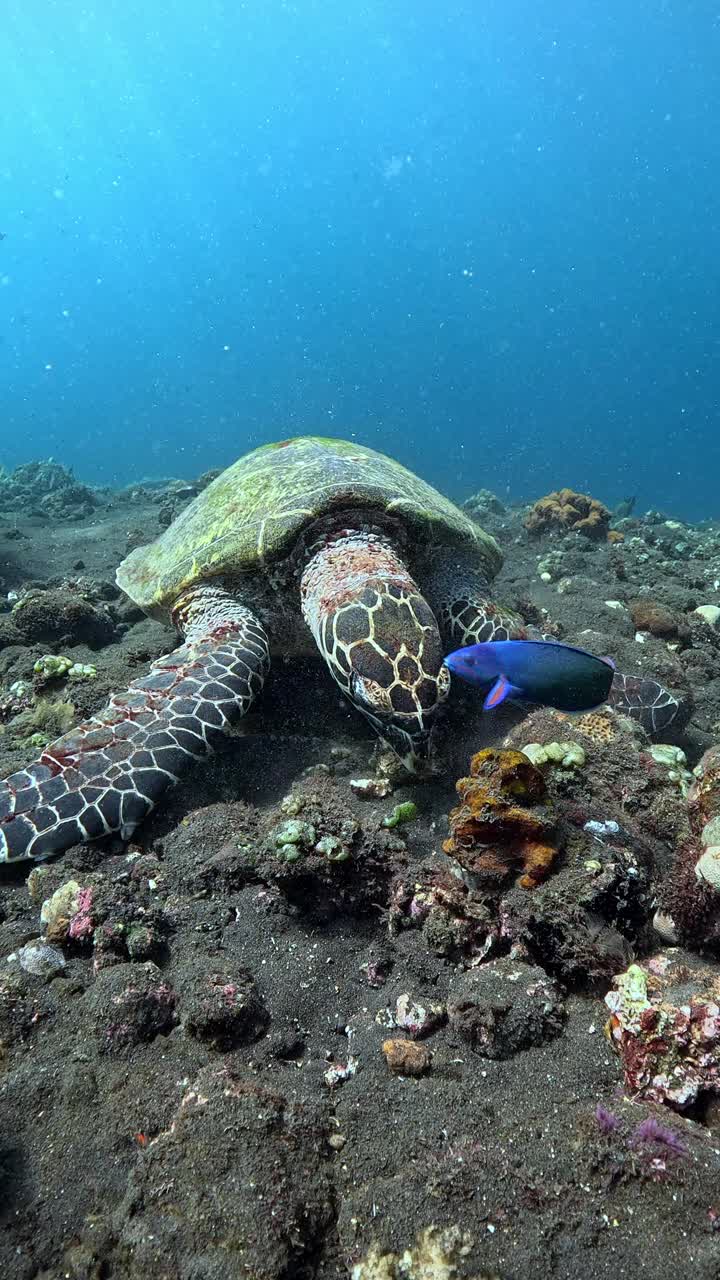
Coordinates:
(544,671)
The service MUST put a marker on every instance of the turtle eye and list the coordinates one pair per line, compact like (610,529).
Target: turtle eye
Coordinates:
(370,695)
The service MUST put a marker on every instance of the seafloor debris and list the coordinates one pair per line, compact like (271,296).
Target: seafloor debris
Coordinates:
(416,1019)
(564,509)
(503,822)
(371,788)
(665,1026)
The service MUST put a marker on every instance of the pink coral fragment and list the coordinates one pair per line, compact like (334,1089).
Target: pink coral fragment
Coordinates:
(81,925)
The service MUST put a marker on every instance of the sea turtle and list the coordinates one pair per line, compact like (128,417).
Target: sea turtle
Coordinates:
(305,538)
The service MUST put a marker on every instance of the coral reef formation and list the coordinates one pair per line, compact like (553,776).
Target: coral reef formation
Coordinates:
(564,510)
(503,821)
(283,964)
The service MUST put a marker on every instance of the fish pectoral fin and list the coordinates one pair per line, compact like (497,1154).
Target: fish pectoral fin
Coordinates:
(501,690)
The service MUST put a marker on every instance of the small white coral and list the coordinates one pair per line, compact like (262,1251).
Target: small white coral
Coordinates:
(707,867)
(435,1256)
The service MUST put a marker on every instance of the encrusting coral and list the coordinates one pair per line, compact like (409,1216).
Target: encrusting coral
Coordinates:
(598,726)
(564,510)
(503,820)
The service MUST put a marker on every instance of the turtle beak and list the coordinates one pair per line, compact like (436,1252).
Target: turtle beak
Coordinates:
(413,750)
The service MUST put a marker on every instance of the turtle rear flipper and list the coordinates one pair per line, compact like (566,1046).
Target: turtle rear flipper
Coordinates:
(649,702)
(107,774)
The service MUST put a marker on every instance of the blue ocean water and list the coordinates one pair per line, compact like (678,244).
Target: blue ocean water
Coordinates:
(483,235)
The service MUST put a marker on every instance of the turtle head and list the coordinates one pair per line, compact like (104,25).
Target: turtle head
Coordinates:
(396,676)
(379,638)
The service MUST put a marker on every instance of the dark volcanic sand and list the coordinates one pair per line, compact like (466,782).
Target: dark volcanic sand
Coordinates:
(164,1107)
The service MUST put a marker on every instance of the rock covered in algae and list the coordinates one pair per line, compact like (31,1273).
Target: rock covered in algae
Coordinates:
(59,909)
(503,821)
(665,1027)
(505,1006)
(223,1009)
(40,959)
(690,897)
(62,615)
(704,794)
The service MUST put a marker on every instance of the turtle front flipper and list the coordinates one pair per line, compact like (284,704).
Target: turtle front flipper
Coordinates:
(378,636)
(107,774)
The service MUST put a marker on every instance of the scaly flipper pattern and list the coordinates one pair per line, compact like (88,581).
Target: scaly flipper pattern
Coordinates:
(107,774)
(457,589)
(644,700)
(477,620)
